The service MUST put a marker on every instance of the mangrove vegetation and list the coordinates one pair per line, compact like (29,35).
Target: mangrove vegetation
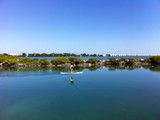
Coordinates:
(15,61)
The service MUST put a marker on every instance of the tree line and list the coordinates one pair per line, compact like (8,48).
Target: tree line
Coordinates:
(60,55)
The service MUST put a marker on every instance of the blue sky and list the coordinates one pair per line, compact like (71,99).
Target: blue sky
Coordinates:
(80,26)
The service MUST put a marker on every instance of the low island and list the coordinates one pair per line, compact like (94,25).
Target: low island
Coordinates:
(9,61)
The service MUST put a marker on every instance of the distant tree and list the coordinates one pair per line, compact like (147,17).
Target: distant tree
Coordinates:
(31,55)
(74,54)
(5,54)
(84,54)
(66,54)
(100,55)
(52,54)
(94,55)
(58,55)
(24,54)
(44,55)
(37,55)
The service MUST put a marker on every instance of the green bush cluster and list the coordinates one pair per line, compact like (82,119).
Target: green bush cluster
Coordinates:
(147,60)
(92,60)
(116,61)
(131,60)
(7,59)
(57,61)
(155,59)
(36,62)
(12,60)
(113,60)
(75,60)
(44,62)
(25,61)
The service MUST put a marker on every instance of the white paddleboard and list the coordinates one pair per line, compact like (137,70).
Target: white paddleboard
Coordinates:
(72,73)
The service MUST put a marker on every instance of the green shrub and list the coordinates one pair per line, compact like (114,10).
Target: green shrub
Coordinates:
(2,58)
(11,61)
(136,60)
(93,60)
(7,59)
(35,62)
(44,62)
(155,59)
(130,60)
(25,61)
(57,61)
(114,61)
(71,60)
(76,60)
(147,60)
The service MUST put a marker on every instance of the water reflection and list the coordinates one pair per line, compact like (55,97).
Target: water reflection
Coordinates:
(22,72)
(97,95)
(71,79)
(155,68)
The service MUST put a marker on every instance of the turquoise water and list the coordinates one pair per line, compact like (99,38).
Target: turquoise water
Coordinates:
(91,94)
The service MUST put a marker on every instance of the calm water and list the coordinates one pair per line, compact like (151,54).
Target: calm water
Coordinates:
(99,58)
(96,94)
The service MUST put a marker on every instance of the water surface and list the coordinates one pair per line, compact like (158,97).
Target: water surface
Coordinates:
(95,94)
(97,57)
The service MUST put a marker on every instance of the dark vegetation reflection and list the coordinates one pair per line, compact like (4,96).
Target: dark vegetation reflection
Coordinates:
(56,71)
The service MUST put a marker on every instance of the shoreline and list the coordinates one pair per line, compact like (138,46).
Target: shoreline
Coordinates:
(83,65)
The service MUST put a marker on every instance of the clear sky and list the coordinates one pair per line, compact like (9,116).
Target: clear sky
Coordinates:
(80,26)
